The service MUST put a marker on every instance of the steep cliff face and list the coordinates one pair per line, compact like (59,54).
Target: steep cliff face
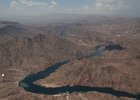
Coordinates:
(19,50)
(25,51)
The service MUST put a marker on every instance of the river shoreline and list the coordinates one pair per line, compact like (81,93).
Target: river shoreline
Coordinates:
(28,83)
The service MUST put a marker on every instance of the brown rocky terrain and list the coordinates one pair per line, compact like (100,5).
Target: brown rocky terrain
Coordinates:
(29,49)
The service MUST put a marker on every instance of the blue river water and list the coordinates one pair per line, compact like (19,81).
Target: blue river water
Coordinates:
(28,82)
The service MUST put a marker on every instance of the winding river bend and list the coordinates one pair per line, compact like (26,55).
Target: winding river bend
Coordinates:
(28,82)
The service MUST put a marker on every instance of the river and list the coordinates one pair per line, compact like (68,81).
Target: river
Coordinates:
(28,82)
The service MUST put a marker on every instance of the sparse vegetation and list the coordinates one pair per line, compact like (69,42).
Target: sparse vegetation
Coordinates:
(29,49)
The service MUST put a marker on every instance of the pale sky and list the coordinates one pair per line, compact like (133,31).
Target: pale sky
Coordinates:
(9,8)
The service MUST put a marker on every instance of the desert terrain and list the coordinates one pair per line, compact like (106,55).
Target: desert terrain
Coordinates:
(27,49)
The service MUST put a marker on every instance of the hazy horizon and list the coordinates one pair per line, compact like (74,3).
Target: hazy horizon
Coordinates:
(27,8)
